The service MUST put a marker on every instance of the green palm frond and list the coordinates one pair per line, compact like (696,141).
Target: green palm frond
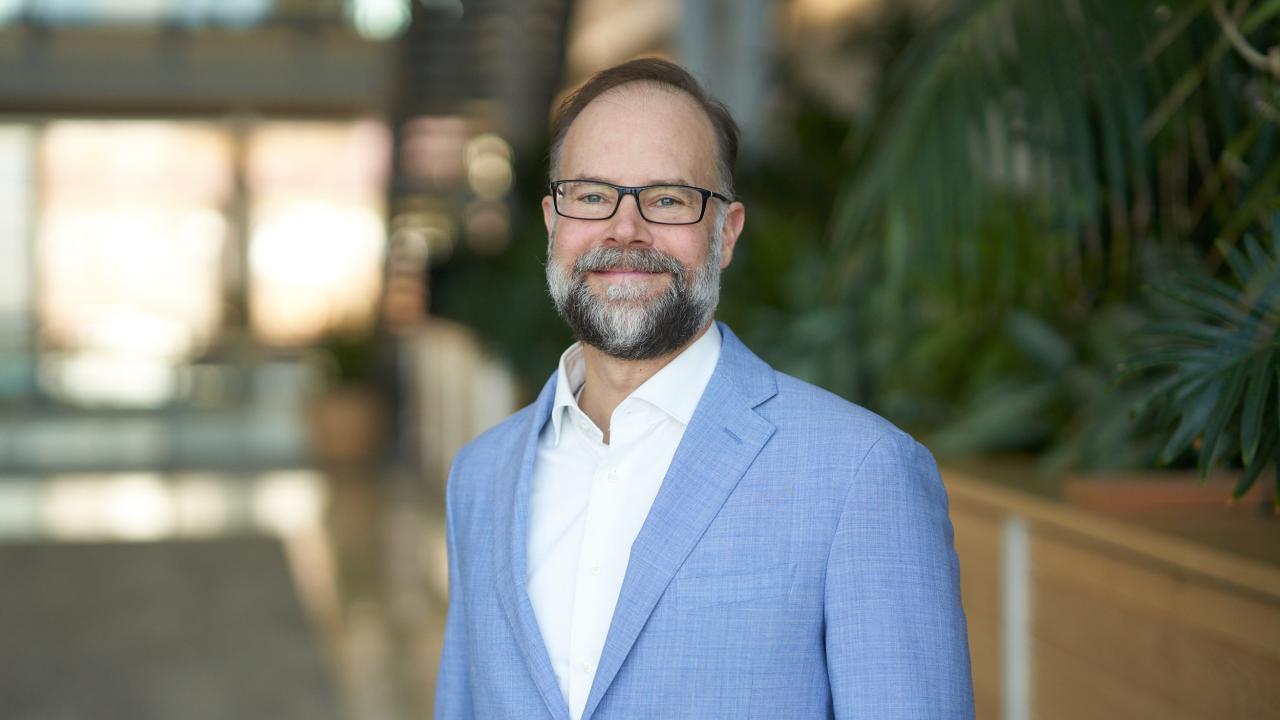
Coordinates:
(1119,123)
(1034,159)
(1217,372)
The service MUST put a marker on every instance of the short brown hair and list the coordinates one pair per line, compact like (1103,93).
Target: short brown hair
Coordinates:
(657,72)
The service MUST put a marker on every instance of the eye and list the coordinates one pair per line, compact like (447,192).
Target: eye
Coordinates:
(592,198)
(669,201)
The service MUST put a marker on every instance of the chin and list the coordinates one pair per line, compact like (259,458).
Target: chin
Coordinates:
(631,296)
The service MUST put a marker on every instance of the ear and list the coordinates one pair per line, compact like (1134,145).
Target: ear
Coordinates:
(734,220)
(548,214)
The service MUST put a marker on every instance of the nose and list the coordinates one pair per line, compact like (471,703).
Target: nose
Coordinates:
(627,227)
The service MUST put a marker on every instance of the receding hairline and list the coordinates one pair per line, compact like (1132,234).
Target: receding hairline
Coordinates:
(723,139)
(640,88)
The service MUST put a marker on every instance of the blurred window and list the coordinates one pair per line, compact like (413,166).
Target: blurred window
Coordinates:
(97,11)
(233,13)
(378,19)
(373,19)
(133,253)
(17,198)
(139,12)
(317,236)
(130,250)
(10,10)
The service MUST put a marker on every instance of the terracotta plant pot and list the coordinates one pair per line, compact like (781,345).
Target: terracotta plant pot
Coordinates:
(347,426)
(1152,490)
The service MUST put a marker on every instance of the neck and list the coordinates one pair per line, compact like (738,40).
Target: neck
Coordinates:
(610,380)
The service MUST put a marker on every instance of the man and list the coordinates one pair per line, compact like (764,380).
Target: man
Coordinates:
(673,529)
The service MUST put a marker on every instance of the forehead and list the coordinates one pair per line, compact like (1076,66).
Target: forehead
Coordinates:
(638,134)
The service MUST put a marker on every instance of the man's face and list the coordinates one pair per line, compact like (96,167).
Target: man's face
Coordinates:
(631,288)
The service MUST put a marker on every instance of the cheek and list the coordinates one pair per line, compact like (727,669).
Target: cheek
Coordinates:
(563,252)
(565,240)
(691,250)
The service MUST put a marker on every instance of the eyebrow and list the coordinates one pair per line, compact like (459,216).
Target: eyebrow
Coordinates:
(656,181)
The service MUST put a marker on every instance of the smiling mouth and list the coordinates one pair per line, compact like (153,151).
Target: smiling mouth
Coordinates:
(620,274)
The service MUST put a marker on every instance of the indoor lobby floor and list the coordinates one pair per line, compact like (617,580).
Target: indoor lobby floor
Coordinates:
(283,594)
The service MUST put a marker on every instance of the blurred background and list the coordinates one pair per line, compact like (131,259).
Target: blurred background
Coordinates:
(266,264)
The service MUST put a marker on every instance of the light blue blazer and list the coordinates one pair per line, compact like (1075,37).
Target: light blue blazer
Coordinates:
(797,563)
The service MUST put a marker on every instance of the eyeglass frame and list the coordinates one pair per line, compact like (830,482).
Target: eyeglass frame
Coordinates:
(634,191)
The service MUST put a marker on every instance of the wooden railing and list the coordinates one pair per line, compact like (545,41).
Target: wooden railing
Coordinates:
(1076,615)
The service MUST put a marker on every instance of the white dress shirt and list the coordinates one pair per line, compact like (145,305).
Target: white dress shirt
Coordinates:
(589,499)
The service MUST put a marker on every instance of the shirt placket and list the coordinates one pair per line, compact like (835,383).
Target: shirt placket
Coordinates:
(591,605)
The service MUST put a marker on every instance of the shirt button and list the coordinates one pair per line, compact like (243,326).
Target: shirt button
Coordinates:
(595,569)
(613,476)
(584,667)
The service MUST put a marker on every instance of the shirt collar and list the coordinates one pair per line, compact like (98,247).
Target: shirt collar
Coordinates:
(675,389)
(569,379)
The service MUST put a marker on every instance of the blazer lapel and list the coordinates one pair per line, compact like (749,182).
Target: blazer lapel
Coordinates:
(511,520)
(722,440)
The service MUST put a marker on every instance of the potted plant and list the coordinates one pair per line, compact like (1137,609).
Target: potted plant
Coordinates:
(348,416)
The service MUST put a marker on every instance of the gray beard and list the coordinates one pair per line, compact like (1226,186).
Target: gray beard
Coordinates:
(622,324)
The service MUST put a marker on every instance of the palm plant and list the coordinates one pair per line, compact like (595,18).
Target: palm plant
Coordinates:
(1218,369)
(1035,164)
(1110,124)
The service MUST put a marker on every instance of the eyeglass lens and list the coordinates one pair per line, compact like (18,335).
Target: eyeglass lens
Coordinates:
(659,203)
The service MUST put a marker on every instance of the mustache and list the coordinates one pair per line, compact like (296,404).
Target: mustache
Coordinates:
(605,259)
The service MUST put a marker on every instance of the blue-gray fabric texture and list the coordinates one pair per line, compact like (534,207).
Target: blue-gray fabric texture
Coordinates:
(798,562)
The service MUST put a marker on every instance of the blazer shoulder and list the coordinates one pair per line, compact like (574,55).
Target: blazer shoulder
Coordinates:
(495,444)
(823,412)
(858,455)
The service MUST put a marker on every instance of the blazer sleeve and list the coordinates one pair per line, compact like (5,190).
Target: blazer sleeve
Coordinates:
(453,691)
(896,640)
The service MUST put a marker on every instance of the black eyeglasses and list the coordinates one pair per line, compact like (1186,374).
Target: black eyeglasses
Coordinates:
(661,204)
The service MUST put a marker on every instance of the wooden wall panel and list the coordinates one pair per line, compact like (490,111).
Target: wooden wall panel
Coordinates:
(1245,615)
(1176,643)
(1065,686)
(1125,622)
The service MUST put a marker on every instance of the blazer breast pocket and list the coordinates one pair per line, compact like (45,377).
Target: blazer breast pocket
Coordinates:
(705,591)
